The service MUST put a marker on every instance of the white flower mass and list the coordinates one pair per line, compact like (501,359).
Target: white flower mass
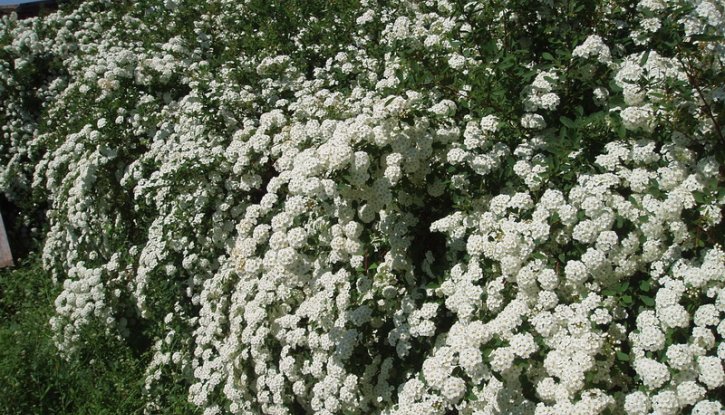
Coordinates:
(413,212)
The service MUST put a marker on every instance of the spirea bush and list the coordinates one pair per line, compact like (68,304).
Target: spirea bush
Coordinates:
(362,207)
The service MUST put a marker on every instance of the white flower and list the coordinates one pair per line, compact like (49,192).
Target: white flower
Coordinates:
(456,61)
(637,403)
(593,46)
(576,271)
(533,121)
(673,316)
(523,345)
(601,95)
(638,118)
(366,17)
(475,245)
(445,107)
(489,124)
(549,101)
(707,315)
(707,408)
(711,371)
(689,392)
(679,357)
(665,403)
(471,361)
(453,389)
(501,359)
(653,373)
(652,5)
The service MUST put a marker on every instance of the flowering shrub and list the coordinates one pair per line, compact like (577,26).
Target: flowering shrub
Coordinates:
(360,207)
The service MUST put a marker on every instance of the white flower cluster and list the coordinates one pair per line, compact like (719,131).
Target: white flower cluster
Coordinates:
(540,95)
(380,212)
(593,46)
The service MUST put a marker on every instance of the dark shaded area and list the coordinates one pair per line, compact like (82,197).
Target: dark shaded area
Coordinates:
(20,236)
(32,9)
(35,379)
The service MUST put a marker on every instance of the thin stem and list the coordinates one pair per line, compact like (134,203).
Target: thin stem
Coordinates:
(707,109)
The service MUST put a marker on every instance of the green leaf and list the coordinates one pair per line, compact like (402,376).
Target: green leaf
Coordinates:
(648,301)
(707,38)
(645,286)
(613,87)
(539,255)
(548,56)
(620,222)
(644,59)
(508,62)
(567,121)
(699,197)
(623,357)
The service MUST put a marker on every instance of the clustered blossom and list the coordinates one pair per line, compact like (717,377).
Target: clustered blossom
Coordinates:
(540,95)
(593,46)
(311,221)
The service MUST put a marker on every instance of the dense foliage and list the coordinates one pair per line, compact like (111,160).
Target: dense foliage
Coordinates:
(360,207)
(103,377)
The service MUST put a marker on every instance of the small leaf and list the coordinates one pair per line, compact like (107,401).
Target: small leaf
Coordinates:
(539,255)
(614,87)
(621,131)
(567,121)
(644,59)
(548,56)
(699,197)
(648,301)
(645,286)
(707,38)
(555,218)
(620,222)
(623,357)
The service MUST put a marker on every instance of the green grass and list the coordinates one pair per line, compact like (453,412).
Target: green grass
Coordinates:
(104,378)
